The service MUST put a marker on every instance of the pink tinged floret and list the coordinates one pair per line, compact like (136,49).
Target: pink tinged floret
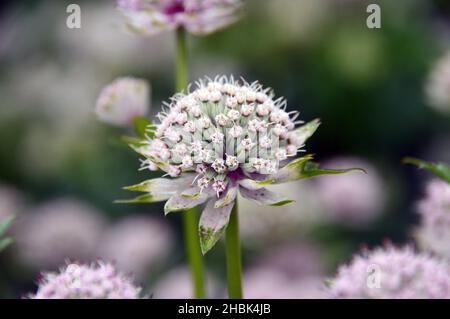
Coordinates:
(100,281)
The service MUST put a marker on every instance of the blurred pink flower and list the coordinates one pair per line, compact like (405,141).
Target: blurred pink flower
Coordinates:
(77,281)
(438,85)
(392,273)
(122,101)
(177,284)
(353,199)
(433,234)
(262,225)
(11,201)
(56,231)
(137,243)
(200,17)
(287,272)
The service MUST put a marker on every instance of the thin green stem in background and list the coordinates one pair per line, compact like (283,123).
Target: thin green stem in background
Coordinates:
(233,249)
(194,253)
(190,220)
(181,68)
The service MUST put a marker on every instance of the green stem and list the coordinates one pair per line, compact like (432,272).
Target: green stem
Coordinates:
(190,220)
(194,253)
(181,71)
(234,255)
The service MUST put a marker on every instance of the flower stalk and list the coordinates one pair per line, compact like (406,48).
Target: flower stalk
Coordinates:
(190,218)
(233,250)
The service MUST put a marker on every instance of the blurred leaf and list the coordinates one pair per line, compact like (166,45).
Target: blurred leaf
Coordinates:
(142,199)
(143,127)
(5,243)
(441,170)
(304,132)
(311,169)
(303,168)
(130,140)
(5,223)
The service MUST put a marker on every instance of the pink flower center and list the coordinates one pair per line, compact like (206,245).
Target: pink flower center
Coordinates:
(177,6)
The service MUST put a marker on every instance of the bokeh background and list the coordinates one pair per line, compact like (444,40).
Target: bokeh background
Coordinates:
(60,169)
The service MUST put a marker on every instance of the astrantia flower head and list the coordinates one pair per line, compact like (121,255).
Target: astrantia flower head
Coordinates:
(434,231)
(392,273)
(222,137)
(122,101)
(199,17)
(438,86)
(75,281)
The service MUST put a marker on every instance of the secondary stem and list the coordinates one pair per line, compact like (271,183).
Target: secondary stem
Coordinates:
(233,249)
(194,254)
(190,220)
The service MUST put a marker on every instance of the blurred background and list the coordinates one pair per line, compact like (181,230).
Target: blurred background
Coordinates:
(60,169)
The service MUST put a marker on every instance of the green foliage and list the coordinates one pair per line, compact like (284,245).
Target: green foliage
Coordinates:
(441,170)
(4,225)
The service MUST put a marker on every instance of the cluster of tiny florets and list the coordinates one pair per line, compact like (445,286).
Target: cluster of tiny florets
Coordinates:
(433,233)
(221,127)
(75,281)
(392,273)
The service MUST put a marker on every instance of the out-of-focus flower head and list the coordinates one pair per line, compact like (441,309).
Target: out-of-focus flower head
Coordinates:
(136,244)
(434,231)
(291,271)
(11,202)
(438,85)
(177,284)
(352,199)
(122,101)
(392,273)
(56,231)
(200,17)
(222,138)
(78,281)
(264,225)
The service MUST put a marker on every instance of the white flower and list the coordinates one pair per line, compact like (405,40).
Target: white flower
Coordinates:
(122,101)
(232,149)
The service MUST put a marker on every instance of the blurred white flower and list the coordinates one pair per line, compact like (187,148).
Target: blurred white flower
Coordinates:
(392,273)
(433,234)
(177,284)
(11,201)
(122,101)
(272,284)
(103,42)
(288,272)
(136,244)
(260,225)
(78,281)
(56,231)
(438,85)
(200,17)
(354,199)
